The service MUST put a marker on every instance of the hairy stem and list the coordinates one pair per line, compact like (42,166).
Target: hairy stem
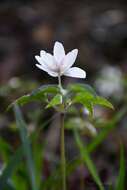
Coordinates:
(62,147)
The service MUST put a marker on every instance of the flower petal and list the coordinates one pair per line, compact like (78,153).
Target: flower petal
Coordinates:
(40,60)
(42,53)
(51,73)
(48,59)
(69,59)
(42,67)
(58,52)
(75,72)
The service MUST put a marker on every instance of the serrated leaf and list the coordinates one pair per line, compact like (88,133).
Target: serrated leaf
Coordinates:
(55,101)
(36,95)
(102,101)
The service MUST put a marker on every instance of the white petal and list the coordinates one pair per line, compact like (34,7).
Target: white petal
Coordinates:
(75,72)
(48,58)
(58,52)
(49,61)
(69,59)
(38,58)
(42,53)
(42,67)
(53,74)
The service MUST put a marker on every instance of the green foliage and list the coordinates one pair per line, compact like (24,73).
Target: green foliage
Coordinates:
(5,149)
(40,94)
(26,146)
(75,93)
(120,182)
(106,130)
(56,100)
(62,100)
(76,88)
(11,166)
(87,160)
(85,95)
(102,101)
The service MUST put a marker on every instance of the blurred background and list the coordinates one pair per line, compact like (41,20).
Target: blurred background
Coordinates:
(99,30)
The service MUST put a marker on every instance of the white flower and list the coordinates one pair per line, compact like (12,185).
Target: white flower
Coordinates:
(59,64)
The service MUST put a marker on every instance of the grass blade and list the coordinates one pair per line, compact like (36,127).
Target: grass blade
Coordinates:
(87,160)
(121,177)
(106,130)
(26,145)
(13,163)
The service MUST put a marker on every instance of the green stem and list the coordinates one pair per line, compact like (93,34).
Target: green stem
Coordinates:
(63,160)
(59,82)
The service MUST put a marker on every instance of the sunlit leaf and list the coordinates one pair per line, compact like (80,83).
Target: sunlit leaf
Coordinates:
(78,87)
(86,95)
(55,101)
(102,101)
(85,98)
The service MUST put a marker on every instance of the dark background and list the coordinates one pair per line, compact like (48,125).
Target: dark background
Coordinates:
(98,29)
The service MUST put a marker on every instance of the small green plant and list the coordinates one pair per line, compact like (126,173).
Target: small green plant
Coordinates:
(61,99)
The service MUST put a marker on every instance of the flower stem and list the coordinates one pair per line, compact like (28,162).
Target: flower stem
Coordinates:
(59,82)
(63,160)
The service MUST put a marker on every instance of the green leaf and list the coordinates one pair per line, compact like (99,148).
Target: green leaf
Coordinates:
(102,101)
(5,149)
(78,87)
(38,94)
(120,185)
(86,99)
(26,145)
(57,100)
(83,96)
(11,166)
(45,89)
(9,186)
(86,95)
(87,160)
(23,100)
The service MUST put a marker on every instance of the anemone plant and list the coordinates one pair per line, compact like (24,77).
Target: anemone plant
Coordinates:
(61,98)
